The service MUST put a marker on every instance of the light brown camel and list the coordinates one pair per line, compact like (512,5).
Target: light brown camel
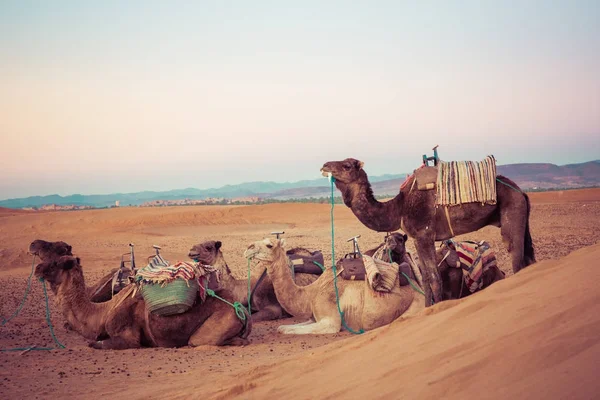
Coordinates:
(123,322)
(47,251)
(265,306)
(415,213)
(363,308)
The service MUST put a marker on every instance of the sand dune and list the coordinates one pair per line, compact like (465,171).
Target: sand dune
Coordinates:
(533,335)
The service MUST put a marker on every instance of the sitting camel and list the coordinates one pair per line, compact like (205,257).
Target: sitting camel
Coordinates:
(363,308)
(265,306)
(48,251)
(451,271)
(124,322)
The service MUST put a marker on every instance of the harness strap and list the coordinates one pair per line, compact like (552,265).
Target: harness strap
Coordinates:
(448,219)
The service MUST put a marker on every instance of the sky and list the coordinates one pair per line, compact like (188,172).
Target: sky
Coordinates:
(104,97)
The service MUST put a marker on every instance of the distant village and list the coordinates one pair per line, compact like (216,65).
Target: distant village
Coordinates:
(155,203)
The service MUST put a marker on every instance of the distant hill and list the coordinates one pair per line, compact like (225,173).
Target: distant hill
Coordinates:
(527,176)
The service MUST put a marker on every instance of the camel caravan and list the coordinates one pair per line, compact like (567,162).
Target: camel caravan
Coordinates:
(199,302)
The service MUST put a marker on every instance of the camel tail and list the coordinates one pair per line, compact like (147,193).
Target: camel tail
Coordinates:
(529,251)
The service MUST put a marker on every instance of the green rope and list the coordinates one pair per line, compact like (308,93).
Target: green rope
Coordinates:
(319,265)
(59,344)
(237,306)
(48,320)
(18,310)
(410,282)
(510,186)
(249,290)
(337,295)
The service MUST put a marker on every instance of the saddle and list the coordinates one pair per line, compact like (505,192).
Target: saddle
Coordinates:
(353,269)
(426,177)
(306,263)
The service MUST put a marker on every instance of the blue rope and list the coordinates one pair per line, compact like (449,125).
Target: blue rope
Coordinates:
(509,185)
(337,296)
(59,345)
(18,310)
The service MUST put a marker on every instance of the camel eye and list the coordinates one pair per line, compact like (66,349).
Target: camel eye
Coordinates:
(269,246)
(346,166)
(209,248)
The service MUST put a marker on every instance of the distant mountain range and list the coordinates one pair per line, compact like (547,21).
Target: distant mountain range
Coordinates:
(527,176)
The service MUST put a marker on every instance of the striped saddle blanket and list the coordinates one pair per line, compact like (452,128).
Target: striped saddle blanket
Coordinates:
(475,259)
(460,182)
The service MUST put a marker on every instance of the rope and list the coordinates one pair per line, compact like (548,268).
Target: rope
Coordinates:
(510,186)
(337,296)
(237,306)
(18,310)
(319,265)
(59,345)
(249,291)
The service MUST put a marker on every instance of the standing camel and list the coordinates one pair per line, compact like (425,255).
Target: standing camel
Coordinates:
(414,212)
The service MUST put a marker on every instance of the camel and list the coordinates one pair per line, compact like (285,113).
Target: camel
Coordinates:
(363,308)
(395,246)
(124,322)
(452,277)
(47,251)
(415,213)
(265,306)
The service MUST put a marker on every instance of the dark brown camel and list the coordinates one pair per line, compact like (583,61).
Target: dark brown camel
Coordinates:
(415,213)
(123,322)
(451,273)
(48,251)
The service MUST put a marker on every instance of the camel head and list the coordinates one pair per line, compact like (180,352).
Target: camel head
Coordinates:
(346,171)
(396,242)
(57,270)
(49,250)
(208,253)
(264,250)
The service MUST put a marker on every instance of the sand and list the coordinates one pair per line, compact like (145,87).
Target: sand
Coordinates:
(534,334)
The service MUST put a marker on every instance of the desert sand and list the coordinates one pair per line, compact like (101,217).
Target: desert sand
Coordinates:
(533,335)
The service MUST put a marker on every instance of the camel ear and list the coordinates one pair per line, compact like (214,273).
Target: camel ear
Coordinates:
(359,164)
(70,263)
(218,245)
(405,237)
(69,248)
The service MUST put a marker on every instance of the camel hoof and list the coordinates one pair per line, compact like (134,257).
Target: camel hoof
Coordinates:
(283,329)
(95,345)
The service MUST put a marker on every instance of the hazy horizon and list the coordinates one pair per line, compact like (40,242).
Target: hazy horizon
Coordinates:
(107,97)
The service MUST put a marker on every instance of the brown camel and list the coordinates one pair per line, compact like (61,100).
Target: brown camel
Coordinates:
(265,306)
(415,213)
(48,251)
(363,308)
(395,245)
(447,261)
(123,322)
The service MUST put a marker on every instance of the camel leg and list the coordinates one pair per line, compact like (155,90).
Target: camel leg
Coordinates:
(431,275)
(127,339)
(323,326)
(514,240)
(268,313)
(218,330)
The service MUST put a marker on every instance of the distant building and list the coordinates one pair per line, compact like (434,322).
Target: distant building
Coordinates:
(117,202)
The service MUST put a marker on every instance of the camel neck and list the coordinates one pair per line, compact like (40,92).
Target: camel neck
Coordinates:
(293,299)
(76,305)
(376,215)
